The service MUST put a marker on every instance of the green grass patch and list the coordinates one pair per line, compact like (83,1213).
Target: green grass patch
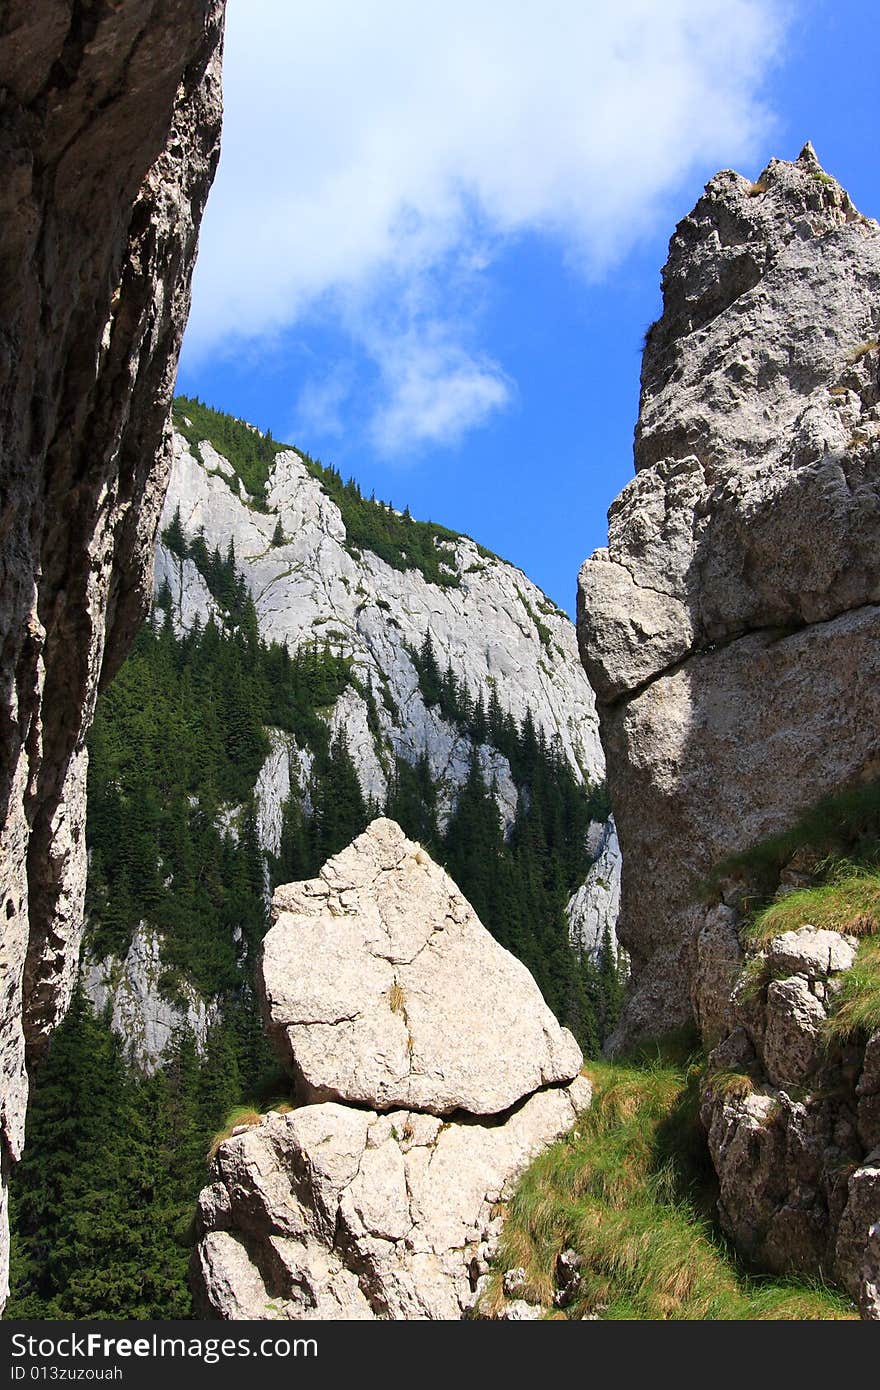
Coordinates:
(730,1085)
(837,844)
(542,628)
(631,1190)
(856,1009)
(849,902)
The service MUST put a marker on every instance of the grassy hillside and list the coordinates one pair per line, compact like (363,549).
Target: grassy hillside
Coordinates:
(630,1191)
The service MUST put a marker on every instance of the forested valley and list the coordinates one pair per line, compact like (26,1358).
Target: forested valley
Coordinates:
(103,1201)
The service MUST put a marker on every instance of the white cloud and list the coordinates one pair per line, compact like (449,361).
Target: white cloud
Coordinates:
(374,149)
(319,407)
(435,390)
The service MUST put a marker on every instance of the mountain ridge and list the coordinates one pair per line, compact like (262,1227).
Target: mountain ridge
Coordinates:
(432,695)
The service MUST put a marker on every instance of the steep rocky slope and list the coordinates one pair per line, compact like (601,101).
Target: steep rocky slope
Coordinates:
(109,141)
(731,631)
(730,627)
(447,1073)
(489,622)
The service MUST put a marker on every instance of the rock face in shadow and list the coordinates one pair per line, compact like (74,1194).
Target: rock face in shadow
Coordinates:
(730,628)
(448,1072)
(791,1111)
(109,143)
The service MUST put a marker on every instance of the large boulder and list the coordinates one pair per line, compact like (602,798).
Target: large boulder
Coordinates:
(731,627)
(334,1212)
(429,1073)
(382,987)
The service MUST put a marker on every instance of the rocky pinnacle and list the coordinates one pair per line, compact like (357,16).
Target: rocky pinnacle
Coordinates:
(730,627)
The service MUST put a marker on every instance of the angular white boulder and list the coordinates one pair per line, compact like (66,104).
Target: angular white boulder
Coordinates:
(812,951)
(334,1213)
(381,987)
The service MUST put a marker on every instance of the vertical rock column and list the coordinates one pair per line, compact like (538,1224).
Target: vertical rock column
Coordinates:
(109,141)
(731,628)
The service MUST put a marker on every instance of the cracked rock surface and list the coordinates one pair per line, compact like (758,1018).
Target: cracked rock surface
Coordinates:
(386,1201)
(730,627)
(109,141)
(337,1212)
(381,986)
(139,1012)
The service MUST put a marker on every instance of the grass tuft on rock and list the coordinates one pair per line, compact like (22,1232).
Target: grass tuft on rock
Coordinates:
(630,1190)
(244,1115)
(856,1010)
(849,902)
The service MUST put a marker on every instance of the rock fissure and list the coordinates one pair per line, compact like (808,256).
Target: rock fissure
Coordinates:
(775,632)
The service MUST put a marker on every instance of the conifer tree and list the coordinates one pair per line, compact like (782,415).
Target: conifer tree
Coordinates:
(340,811)
(174,537)
(95,1199)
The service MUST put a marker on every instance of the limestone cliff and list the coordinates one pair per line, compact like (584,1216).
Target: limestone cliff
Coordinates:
(730,629)
(111,120)
(504,640)
(493,625)
(593,910)
(140,1012)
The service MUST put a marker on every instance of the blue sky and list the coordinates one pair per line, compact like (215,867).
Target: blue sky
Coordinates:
(436,234)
